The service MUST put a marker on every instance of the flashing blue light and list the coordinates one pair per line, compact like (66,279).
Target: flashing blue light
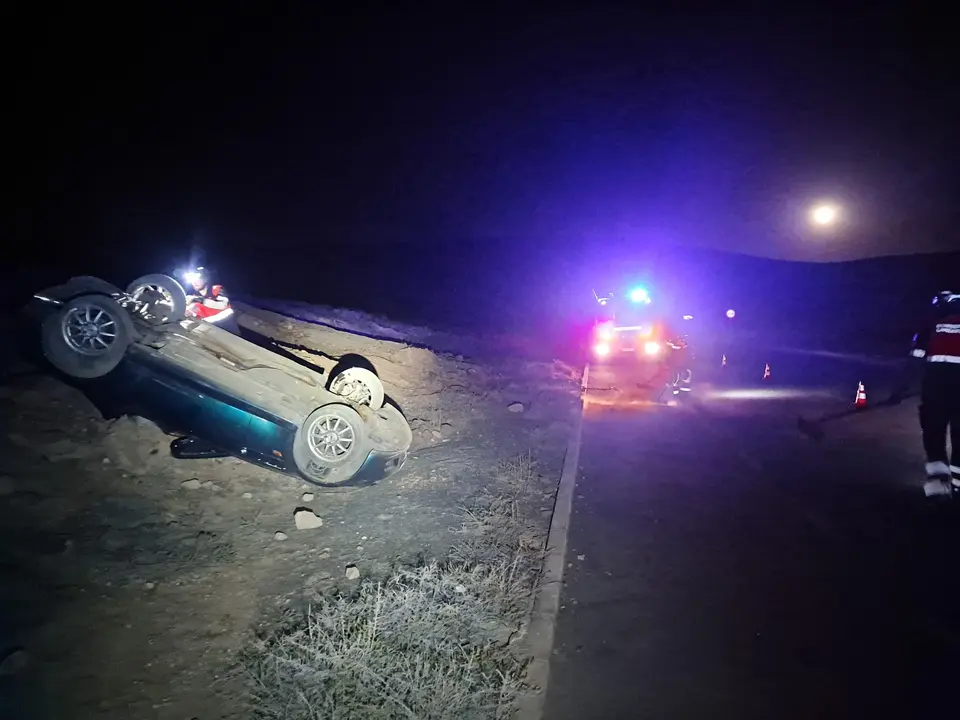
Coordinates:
(639,295)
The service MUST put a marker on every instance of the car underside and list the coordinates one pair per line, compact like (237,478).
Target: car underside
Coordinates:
(221,394)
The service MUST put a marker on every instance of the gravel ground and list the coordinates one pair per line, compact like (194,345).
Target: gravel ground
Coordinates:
(132,582)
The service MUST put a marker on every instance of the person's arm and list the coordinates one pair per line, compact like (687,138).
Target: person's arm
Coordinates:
(218,299)
(921,341)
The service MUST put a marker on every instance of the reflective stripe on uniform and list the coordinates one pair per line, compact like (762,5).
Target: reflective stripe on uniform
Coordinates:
(944,359)
(949,328)
(223,314)
(918,353)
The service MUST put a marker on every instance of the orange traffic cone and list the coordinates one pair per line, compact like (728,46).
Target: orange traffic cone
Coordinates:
(766,371)
(723,361)
(861,401)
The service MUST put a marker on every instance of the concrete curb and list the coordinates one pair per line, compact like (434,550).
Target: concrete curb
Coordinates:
(547,603)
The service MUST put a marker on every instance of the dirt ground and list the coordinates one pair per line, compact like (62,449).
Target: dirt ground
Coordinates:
(130,583)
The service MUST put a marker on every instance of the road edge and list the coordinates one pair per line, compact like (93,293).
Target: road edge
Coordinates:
(547,603)
(845,356)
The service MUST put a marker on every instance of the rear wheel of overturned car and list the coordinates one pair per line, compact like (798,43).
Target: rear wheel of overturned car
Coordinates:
(391,431)
(331,445)
(88,337)
(165,297)
(357,384)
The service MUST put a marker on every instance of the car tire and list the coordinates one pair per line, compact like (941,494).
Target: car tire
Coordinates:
(174,304)
(357,384)
(390,431)
(337,460)
(79,355)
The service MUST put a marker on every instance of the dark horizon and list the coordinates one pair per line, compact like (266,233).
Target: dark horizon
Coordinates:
(444,289)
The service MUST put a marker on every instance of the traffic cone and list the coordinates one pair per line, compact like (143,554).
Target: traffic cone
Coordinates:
(766,371)
(861,401)
(723,361)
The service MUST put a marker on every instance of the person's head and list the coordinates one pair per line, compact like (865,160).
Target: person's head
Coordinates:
(948,301)
(197,279)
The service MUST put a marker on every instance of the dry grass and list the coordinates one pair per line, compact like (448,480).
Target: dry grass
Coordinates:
(432,642)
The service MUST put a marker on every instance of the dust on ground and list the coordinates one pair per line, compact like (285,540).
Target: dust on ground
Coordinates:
(132,582)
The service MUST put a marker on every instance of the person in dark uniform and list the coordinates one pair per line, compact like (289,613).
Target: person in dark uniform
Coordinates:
(938,345)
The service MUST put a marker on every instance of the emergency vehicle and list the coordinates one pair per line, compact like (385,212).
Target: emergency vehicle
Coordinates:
(631,328)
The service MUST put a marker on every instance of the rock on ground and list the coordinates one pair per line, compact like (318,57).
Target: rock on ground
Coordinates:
(306,519)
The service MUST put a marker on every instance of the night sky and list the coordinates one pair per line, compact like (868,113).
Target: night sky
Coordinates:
(567,130)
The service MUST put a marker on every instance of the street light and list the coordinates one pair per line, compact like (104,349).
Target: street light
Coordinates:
(824,215)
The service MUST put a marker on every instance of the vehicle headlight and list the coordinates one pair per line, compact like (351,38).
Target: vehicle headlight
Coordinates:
(651,348)
(605,332)
(601,349)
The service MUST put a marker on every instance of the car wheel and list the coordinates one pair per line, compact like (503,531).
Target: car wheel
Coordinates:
(88,337)
(357,384)
(167,298)
(390,431)
(331,445)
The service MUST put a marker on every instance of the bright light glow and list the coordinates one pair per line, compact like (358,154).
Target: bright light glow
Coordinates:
(768,394)
(601,349)
(651,348)
(192,276)
(606,331)
(639,295)
(824,215)
(731,314)
(688,317)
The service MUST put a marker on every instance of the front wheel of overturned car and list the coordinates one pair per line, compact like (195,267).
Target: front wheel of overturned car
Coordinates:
(331,445)
(165,297)
(88,337)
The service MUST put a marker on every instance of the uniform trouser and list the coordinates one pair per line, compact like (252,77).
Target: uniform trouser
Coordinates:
(940,410)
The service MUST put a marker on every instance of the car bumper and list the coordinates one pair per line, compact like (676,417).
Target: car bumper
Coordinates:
(629,355)
(378,466)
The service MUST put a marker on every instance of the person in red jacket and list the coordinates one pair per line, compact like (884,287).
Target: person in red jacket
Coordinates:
(209,302)
(938,345)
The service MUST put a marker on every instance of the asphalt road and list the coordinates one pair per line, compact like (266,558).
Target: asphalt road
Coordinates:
(721,564)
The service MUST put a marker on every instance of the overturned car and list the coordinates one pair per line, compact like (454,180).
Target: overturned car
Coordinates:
(135,352)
